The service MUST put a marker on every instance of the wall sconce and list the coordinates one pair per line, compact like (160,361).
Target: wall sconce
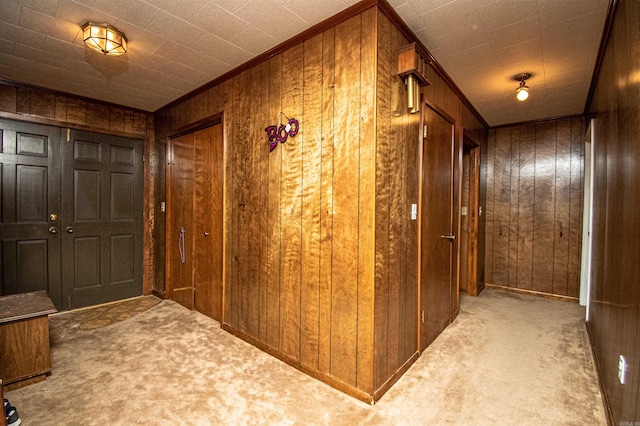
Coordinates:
(412,68)
(104,38)
(522,92)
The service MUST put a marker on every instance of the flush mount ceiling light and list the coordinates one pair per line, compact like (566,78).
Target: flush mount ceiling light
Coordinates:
(104,38)
(522,92)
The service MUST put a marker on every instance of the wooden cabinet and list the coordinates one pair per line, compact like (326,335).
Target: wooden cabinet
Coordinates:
(24,338)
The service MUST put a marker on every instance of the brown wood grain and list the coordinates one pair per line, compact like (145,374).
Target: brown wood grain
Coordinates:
(514,205)
(526,207)
(311,198)
(544,202)
(344,319)
(489,205)
(386,73)
(326,201)
(575,206)
(501,206)
(291,206)
(366,207)
(562,229)
(274,226)
(263,201)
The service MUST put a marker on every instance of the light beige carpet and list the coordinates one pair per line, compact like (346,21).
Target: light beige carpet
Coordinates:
(508,359)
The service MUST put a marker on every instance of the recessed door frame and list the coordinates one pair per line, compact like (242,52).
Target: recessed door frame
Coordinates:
(216,119)
(473,288)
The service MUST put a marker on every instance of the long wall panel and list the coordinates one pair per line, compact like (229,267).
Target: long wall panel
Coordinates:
(533,206)
(615,289)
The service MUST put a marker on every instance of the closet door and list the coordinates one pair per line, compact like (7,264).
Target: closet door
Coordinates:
(194,220)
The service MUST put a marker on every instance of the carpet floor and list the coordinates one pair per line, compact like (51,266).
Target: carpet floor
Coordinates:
(508,359)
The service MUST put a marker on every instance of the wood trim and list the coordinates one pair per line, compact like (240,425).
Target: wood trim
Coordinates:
(65,124)
(393,379)
(197,125)
(319,28)
(19,85)
(388,10)
(532,293)
(158,294)
(323,377)
(603,390)
(606,32)
(442,112)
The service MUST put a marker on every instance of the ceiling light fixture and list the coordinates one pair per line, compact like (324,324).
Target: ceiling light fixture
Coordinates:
(522,92)
(104,38)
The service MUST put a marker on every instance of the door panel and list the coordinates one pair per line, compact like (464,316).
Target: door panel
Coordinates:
(29,193)
(436,223)
(194,201)
(102,219)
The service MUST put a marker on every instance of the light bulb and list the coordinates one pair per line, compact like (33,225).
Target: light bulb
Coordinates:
(522,93)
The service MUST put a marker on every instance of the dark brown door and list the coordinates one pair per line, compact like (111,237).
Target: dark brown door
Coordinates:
(101,218)
(436,226)
(30,209)
(194,220)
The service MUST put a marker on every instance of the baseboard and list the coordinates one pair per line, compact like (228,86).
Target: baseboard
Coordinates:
(391,381)
(533,293)
(323,377)
(603,391)
(159,294)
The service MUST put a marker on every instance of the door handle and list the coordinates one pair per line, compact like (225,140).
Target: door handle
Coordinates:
(69,229)
(53,230)
(448,237)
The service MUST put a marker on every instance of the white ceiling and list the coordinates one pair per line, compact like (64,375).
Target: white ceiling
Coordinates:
(175,46)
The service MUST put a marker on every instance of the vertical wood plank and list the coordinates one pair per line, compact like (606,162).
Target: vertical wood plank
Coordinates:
(8,98)
(23,101)
(43,104)
(544,201)
(526,206)
(264,196)
(76,111)
(291,205)
(562,224)
(489,208)
(226,103)
(326,201)
(273,208)
(575,207)
(98,115)
(383,149)
(513,208)
(366,213)
(502,193)
(311,164)
(61,109)
(116,119)
(346,167)
(254,146)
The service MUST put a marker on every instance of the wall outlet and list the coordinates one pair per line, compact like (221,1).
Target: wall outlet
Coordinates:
(463,211)
(622,369)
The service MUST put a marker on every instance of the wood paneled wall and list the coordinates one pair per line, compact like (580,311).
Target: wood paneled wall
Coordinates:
(614,321)
(397,187)
(320,252)
(534,206)
(31,104)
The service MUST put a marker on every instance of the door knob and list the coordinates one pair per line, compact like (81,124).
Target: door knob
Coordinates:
(69,229)
(53,216)
(448,237)
(53,230)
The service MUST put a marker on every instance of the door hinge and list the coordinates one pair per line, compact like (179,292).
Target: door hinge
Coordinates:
(143,158)
(422,316)
(424,131)
(68,134)
(69,302)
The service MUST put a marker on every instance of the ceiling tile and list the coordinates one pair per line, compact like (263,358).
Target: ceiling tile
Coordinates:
(21,35)
(136,12)
(221,49)
(38,55)
(254,40)
(174,28)
(216,20)
(183,9)
(231,5)
(45,6)
(503,13)
(267,15)
(515,33)
(78,14)
(316,10)
(10,12)
(422,6)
